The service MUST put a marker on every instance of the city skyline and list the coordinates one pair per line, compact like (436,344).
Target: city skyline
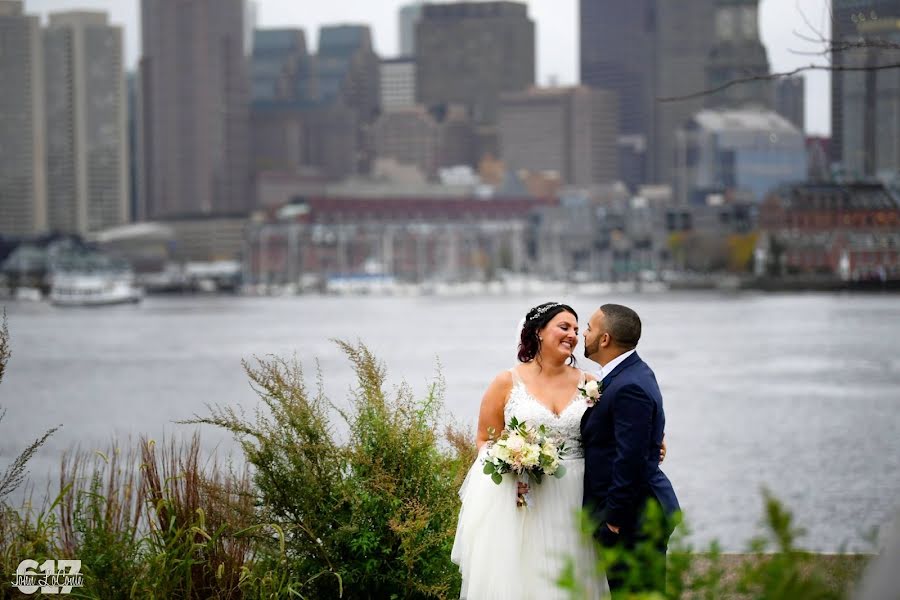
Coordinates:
(781,26)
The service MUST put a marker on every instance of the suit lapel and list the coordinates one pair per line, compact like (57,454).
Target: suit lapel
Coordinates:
(604,383)
(631,360)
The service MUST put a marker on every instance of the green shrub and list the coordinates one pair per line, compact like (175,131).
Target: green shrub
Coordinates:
(372,517)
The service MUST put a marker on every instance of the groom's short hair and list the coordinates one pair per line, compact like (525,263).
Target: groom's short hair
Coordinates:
(622,324)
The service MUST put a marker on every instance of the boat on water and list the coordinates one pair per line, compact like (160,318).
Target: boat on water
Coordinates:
(94,289)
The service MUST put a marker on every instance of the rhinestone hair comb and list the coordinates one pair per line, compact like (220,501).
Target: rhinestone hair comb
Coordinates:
(540,311)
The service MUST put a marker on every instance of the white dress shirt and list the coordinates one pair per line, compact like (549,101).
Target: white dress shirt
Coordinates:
(608,367)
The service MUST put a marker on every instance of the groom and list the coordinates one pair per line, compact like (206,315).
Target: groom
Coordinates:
(629,498)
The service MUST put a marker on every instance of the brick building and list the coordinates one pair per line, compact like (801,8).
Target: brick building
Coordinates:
(851,231)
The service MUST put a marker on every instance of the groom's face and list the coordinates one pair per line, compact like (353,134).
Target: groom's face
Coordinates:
(593,335)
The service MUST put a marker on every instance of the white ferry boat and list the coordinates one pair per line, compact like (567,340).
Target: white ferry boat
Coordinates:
(94,289)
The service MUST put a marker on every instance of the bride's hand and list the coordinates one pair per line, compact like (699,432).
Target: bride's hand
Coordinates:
(662,450)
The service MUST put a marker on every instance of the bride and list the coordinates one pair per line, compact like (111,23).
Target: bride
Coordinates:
(519,553)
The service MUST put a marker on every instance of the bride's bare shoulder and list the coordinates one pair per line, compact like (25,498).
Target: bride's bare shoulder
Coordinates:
(590,376)
(498,389)
(504,379)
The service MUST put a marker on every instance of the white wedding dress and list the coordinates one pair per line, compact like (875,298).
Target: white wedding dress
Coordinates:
(519,553)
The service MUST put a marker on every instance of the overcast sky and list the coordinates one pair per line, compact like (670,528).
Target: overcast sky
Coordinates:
(782,23)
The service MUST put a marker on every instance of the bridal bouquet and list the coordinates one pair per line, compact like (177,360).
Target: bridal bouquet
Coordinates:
(528,452)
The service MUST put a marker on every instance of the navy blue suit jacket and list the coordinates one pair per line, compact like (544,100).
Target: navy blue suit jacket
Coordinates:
(621,435)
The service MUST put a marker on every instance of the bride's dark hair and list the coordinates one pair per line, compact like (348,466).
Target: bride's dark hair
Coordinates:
(536,319)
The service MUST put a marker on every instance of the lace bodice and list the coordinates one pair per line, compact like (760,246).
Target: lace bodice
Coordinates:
(567,425)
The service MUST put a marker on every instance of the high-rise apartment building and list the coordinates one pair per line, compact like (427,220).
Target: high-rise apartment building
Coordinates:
(194,125)
(87,129)
(23,193)
(644,50)
(398,83)
(738,54)
(790,100)
(846,15)
(468,53)
(569,131)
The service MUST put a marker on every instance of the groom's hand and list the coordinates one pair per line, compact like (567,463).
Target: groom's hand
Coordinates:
(608,535)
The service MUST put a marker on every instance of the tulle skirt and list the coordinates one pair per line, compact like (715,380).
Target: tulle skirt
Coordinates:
(519,553)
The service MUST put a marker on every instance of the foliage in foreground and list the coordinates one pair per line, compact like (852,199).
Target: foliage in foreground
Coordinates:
(773,568)
(372,517)
(367,516)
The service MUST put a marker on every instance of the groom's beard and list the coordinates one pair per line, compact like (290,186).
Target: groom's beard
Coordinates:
(590,350)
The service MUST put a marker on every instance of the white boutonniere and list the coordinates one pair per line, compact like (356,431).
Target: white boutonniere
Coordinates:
(591,390)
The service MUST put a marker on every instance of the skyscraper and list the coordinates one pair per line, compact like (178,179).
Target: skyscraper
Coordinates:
(348,73)
(468,53)
(644,50)
(87,131)
(348,68)
(194,125)
(870,131)
(685,36)
(846,15)
(281,69)
(23,192)
(618,54)
(738,53)
(407,18)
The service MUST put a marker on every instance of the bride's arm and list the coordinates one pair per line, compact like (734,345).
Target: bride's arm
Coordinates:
(490,416)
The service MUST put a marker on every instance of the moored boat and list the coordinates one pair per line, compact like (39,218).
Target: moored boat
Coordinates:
(94,289)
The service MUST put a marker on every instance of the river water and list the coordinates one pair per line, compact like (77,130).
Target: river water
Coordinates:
(798,393)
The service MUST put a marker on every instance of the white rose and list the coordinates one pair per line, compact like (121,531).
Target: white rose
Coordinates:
(592,389)
(515,442)
(501,452)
